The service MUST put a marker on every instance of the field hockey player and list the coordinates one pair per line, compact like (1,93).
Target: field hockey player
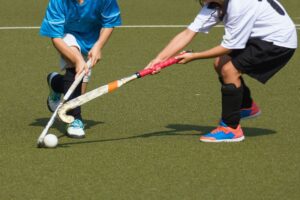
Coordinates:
(78,29)
(260,38)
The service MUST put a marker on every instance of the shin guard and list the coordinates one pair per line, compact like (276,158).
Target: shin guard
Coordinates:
(231,104)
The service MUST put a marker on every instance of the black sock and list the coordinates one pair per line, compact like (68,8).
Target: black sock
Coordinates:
(57,83)
(231,104)
(247,100)
(68,79)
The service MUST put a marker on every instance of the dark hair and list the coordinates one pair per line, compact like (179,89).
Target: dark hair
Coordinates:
(202,2)
(221,8)
(210,5)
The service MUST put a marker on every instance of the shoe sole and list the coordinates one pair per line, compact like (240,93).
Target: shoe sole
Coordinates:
(225,140)
(252,116)
(75,136)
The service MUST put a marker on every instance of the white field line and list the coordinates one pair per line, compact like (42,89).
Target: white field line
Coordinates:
(18,27)
(124,26)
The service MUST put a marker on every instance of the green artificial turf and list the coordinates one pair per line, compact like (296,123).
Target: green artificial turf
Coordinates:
(142,140)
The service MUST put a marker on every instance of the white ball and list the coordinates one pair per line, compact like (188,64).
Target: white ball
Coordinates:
(50,140)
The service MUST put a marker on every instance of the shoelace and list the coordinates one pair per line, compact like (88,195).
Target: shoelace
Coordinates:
(219,129)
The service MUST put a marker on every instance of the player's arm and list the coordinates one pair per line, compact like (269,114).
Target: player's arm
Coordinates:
(211,53)
(110,18)
(53,27)
(70,54)
(179,42)
(95,53)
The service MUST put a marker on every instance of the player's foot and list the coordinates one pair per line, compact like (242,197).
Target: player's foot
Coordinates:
(224,133)
(253,111)
(54,97)
(76,129)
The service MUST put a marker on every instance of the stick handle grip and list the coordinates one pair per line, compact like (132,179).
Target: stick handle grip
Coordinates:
(161,65)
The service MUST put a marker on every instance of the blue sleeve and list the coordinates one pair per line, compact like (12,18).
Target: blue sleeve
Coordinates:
(54,20)
(111,15)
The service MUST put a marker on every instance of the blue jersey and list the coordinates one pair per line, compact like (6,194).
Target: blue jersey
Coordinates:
(84,20)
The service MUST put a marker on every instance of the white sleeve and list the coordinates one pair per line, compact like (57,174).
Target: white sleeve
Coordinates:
(205,20)
(238,27)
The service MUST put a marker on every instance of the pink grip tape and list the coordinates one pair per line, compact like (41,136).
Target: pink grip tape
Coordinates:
(161,65)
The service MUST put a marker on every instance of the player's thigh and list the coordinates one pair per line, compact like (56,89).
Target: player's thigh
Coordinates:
(71,42)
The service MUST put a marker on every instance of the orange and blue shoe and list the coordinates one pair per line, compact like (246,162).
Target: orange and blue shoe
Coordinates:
(253,111)
(224,133)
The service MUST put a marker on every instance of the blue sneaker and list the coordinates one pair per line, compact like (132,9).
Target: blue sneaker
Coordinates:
(248,113)
(224,133)
(53,99)
(76,129)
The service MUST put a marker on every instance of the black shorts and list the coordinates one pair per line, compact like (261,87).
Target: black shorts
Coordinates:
(260,59)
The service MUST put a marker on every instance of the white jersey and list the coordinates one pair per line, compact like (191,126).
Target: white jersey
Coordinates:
(246,19)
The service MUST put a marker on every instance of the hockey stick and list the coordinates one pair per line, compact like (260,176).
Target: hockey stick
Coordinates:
(40,141)
(107,89)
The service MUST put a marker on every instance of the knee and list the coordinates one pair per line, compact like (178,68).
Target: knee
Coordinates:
(230,75)
(228,71)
